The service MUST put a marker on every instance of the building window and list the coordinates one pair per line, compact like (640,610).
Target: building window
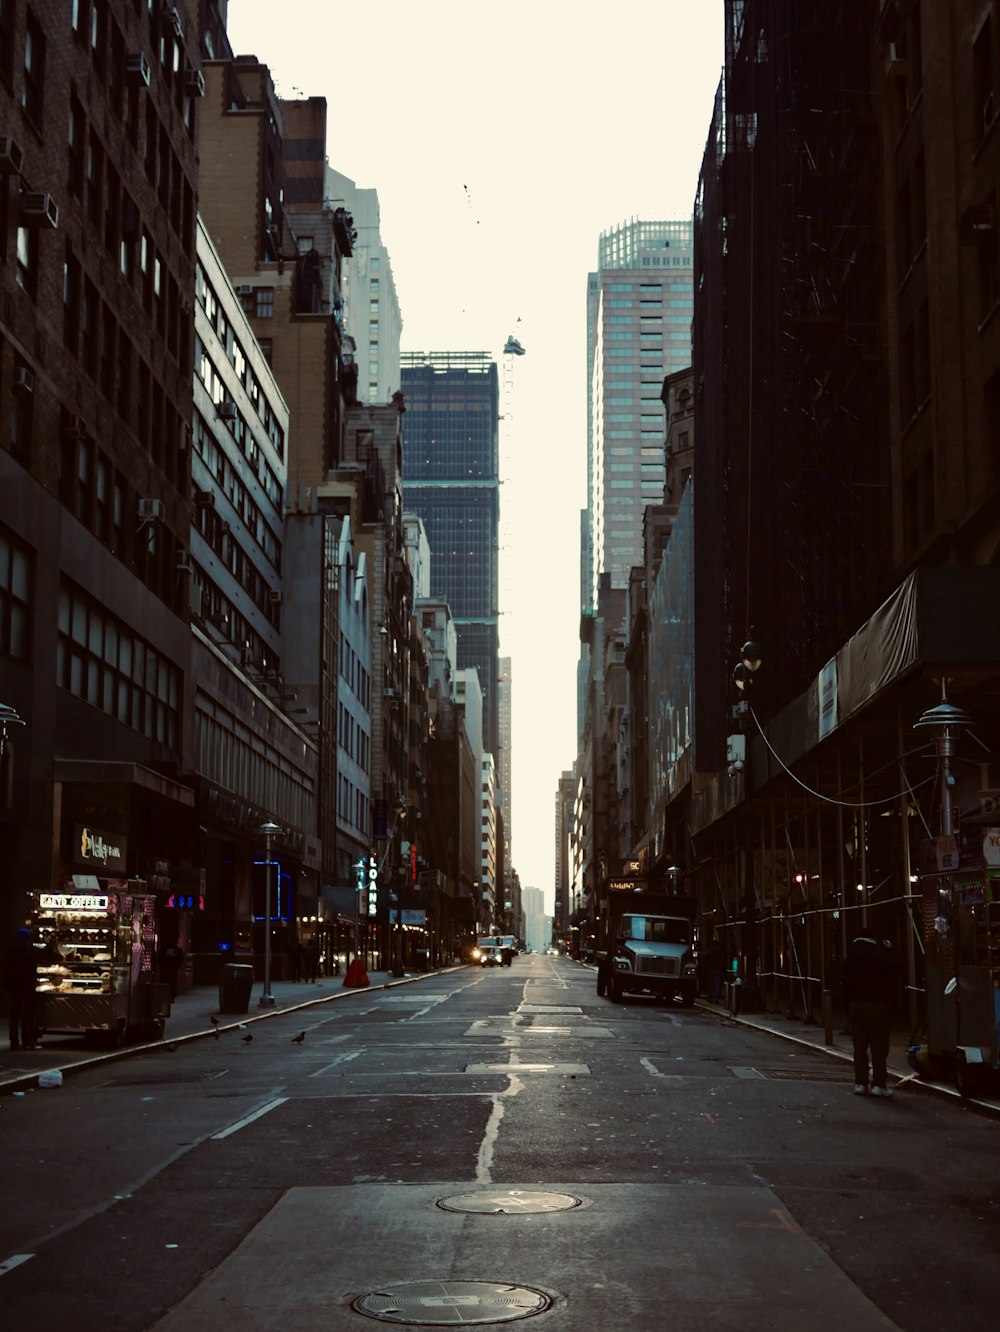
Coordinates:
(100,659)
(34,72)
(75,142)
(21,411)
(71,303)
(27,260)
(264,302)
(15,593)
(7,41)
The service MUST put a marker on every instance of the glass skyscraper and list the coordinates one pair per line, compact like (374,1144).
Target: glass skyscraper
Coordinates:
(451,480)
(640,304)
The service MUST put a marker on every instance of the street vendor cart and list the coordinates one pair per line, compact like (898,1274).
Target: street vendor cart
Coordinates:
(96,965)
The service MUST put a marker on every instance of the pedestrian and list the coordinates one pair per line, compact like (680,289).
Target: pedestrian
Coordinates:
(20,979)
(171,962)
(295,959)
(870,972)
(311,959)
(715,961)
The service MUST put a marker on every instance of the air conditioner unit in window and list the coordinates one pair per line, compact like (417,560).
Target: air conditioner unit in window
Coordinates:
(226,410)
(24,380)
(274,596)
(895,61)
(184,565)
(203,499)
(137,70)
(73,428)
(172,20)
(194,82)
(148,509)
(39,210)
(11,157)
(244,291)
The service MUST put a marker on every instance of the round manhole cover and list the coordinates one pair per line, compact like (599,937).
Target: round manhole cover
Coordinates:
(509,1202)
(451,1303)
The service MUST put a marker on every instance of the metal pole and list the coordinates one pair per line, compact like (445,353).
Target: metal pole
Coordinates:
(269,830)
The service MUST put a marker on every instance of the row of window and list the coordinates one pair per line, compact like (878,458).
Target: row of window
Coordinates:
(98,495)
(353,806)
(353,739)
(206,296)
(236,423)
(232,755)
(353,672)
(232,486)
(100,659)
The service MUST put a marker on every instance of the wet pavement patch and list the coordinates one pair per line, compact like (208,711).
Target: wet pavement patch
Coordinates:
(451,1303)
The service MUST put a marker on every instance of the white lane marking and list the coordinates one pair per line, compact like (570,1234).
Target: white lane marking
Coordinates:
(15,1260)
(249,1119)
(340,1059)
(650,1067)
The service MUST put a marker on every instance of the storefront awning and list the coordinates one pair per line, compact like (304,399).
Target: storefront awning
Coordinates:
(123,774)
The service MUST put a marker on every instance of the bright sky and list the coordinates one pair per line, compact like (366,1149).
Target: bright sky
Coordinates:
(502,140)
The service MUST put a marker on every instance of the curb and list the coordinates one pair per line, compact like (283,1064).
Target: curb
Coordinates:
(29,1081)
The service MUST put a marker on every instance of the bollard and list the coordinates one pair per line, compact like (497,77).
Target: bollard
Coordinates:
(827,1017)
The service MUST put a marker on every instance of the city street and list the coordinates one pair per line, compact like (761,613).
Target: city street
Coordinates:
(487,1145)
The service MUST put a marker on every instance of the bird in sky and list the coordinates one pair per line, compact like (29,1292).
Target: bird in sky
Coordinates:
(297,1040)
(248,1038)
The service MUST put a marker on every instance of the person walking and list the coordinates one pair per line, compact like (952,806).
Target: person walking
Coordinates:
(870,972)
(20,979)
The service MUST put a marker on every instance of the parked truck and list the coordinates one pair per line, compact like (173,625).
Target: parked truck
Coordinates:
(646,945)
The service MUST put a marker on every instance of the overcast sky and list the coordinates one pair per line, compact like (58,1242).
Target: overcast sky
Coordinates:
(502,140)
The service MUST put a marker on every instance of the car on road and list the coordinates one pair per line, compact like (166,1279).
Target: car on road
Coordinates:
(487,955)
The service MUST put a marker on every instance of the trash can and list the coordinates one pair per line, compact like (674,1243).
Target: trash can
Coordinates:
(235,984)
(422,957)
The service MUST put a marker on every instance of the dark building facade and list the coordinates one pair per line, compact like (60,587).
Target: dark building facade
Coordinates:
(452,482)
(98,181)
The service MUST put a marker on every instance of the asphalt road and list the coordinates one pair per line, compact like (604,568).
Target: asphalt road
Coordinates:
(485,1146)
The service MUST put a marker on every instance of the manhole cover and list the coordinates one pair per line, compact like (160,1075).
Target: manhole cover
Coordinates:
(509,1202)
(451,1303)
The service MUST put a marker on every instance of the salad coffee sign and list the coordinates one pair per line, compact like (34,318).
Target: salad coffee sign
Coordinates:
(94,846)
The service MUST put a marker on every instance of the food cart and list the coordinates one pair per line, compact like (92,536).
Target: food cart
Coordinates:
(96,966)
(961,901)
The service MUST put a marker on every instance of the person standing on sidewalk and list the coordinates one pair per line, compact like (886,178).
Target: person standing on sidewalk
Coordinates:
(870,972)
(20,979)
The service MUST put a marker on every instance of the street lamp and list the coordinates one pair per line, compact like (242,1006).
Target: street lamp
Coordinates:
(269,831)
(751,657)
(945,718)
(400,806)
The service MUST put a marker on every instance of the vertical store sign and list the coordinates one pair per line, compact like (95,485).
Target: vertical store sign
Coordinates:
(372,885)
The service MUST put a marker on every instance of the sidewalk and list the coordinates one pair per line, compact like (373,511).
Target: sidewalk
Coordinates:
(799,1031)
(190,1019)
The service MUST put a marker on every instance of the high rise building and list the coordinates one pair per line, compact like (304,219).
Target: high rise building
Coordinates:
(639,310)
(504,682)
(452,481)
(371,307)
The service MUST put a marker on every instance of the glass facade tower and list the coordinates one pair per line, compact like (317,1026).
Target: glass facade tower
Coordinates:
(640,304)
(451,480)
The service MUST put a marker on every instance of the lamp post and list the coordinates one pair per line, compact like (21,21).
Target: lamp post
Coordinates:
(269,831)
(400,806)
(944,719)
(746,668)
